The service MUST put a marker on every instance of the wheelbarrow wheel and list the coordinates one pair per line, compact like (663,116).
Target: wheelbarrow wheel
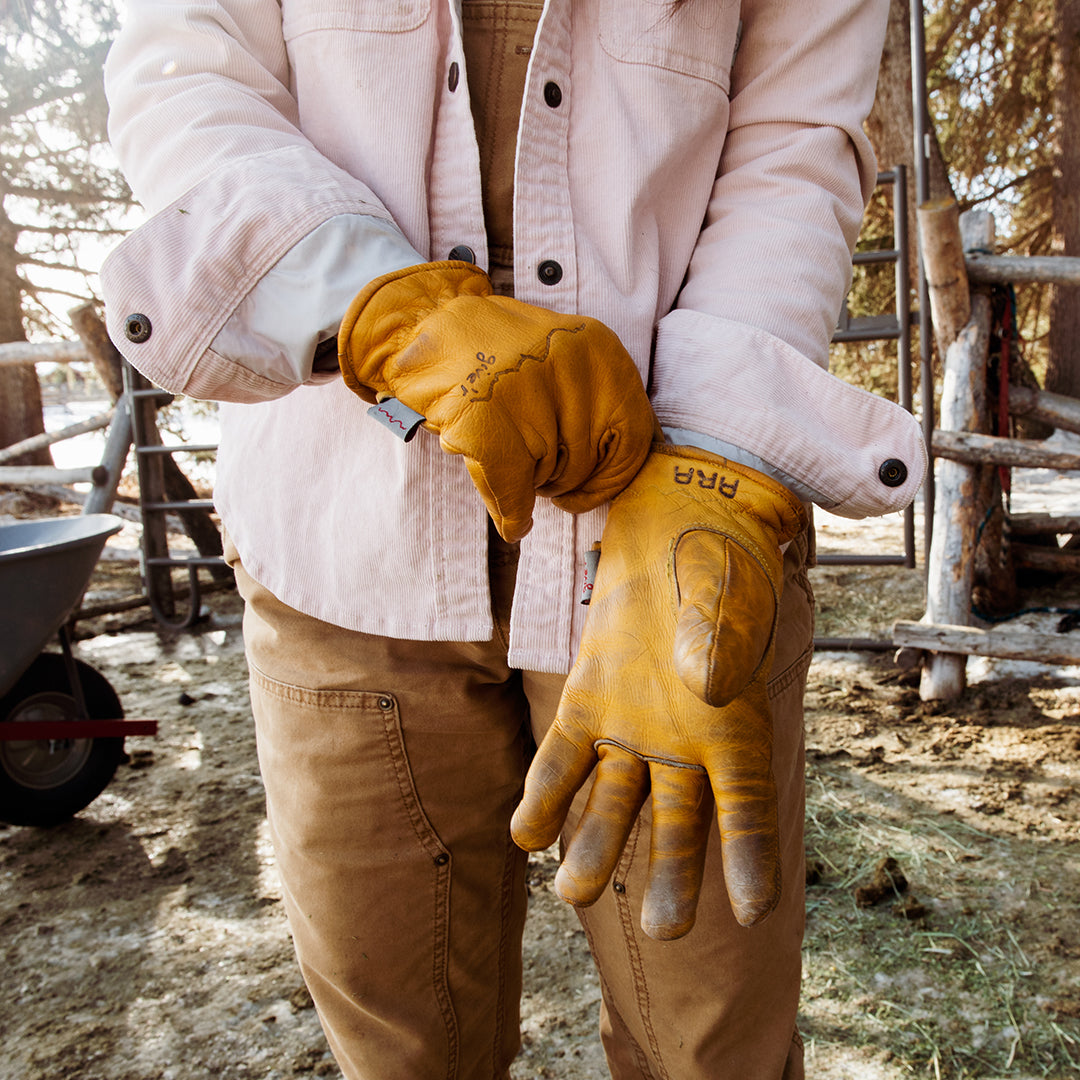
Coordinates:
(46,781)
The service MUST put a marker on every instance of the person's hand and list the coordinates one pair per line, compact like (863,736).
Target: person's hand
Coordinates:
(536,402)
(668,694)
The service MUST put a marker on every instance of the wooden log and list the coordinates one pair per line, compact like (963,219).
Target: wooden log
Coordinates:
(1000,643)
(993,581)
(33,475)
(103,354)
(950,566)
(946,275)
(987,269)
(79,498)
(1025,424)
(1058,410)
(132,603)
(113,459)
(36,442)
(1039,524)
(109,365)
(42,352)
(976,449)
(1056,560)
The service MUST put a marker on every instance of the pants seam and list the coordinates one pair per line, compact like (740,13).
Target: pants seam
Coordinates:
(440,974)
(637,970)
(609,1004)
(506,910)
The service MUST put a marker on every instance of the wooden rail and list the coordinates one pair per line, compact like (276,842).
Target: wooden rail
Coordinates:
(174,502)
(50,352)
(43,352)
(1011,644)
(956,253)
(37,442)
(983,269)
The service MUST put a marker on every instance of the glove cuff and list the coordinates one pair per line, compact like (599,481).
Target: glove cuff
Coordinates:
(388,311)
(766,498)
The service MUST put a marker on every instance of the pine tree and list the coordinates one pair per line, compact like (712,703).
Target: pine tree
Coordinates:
(1001,120)
(58,186)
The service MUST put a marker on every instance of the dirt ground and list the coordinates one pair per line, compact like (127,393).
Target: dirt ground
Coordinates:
(145,940)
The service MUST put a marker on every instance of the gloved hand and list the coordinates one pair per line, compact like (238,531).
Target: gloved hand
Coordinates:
(535,401)
(668,693)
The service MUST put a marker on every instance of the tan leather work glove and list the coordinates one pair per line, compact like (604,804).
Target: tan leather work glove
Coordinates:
(668,693)
(536,402)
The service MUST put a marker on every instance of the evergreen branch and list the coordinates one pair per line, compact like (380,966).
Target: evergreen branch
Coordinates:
(19,108)
(935,59)
(37,291)
(45,264)
(75,198)
(63,230)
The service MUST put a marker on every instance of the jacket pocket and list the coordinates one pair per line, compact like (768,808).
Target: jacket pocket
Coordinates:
(379,16)
(699,38)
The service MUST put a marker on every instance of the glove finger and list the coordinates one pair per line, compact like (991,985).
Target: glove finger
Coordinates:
(615,454)
(592,479)
(506,486)
(746,809)
(682,810)
(620,786)
(561,765)
(727,611)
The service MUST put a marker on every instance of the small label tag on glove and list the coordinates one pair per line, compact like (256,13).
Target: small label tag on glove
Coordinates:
(399,418)
(592,560)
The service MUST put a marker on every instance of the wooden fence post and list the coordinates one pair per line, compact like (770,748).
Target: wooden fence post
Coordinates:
(951,561)
(946,275)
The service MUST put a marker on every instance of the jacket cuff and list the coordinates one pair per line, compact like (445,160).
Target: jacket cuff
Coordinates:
(859,454)
(174,282)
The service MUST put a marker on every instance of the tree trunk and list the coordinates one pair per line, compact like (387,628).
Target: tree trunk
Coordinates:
(891,125)
(1063,369)
(20,393)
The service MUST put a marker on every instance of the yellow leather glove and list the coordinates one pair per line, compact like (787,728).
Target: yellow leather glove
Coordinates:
(536,402)
(668,694)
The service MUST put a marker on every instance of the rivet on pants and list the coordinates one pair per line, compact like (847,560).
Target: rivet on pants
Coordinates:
(442,860)
(619,887)
(386,703)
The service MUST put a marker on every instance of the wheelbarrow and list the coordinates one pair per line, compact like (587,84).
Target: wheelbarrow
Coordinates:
(62,726)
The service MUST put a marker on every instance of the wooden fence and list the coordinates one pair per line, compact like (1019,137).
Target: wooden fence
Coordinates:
(170,505)
(93,346)
(959,264)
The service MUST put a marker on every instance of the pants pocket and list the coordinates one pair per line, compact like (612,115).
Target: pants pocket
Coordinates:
(365,878)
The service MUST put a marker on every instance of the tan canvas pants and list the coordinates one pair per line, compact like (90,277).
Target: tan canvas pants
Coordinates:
(391,771)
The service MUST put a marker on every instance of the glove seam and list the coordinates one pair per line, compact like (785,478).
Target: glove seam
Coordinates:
(674,763)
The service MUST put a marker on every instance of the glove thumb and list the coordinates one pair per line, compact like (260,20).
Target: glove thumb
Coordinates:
(727,612)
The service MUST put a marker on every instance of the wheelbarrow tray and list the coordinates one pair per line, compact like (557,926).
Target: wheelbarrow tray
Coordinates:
(45,566)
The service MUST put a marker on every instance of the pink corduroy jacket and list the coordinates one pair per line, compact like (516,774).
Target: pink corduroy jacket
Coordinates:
(695,180)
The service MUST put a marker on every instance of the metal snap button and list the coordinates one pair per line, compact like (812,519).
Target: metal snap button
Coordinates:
(553,94)
(452,78)
(549,272)
(462,253)
(137,328)
(892,472)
